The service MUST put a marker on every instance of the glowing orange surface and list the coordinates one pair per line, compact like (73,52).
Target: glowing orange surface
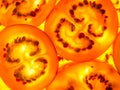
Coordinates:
(106,56)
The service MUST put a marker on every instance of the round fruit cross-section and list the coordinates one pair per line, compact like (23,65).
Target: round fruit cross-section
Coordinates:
(32,12)
(28,59)
(82,29)
(86,76)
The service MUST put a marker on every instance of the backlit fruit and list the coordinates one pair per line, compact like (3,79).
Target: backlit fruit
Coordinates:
(82,29)
(28,59)
(32,12)
(86,76)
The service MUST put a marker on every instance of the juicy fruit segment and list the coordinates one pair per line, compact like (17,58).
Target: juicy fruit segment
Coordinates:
(81,28)
(86,76)
(26,59)
(64,24)
(27,52)
(25,11)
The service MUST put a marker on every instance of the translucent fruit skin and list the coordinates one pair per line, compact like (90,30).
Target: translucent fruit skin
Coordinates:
(9,71)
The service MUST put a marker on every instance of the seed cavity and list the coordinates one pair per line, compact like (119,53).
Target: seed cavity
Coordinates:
(81,36)
(29,73)
(97,7)
(101,78)
(32,13)
(21,45)
(94,33)
(26,50)
(20,5)
(91,28)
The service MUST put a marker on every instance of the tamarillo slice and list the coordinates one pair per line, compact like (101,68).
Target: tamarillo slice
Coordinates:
(32,12)
(92,75)
(28,59)
(82,29)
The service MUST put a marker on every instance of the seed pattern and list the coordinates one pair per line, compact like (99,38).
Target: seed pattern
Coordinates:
(8,59)
(18,4)
(5,4)
(33,53)
(101,78)
(19,40)
(71,11)
(32,13)
(90,31)
(97,7)
(72,29)
(20,73)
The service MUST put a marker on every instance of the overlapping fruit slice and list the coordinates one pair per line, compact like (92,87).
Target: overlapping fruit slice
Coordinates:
(32,12)
(82,29)
(28,59)
(86,76)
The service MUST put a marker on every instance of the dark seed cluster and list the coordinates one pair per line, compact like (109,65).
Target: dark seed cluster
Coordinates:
(19,40)
(91,43)
(8,59)
(71,11)
(90,31)
(19,14)
(6,55)
(57,31)
(82,4)
(20,74)
(32,13)
(43,60)
(101,78)
(23,39)
(4,4)
(33,53)
(80,36)
(97,7)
